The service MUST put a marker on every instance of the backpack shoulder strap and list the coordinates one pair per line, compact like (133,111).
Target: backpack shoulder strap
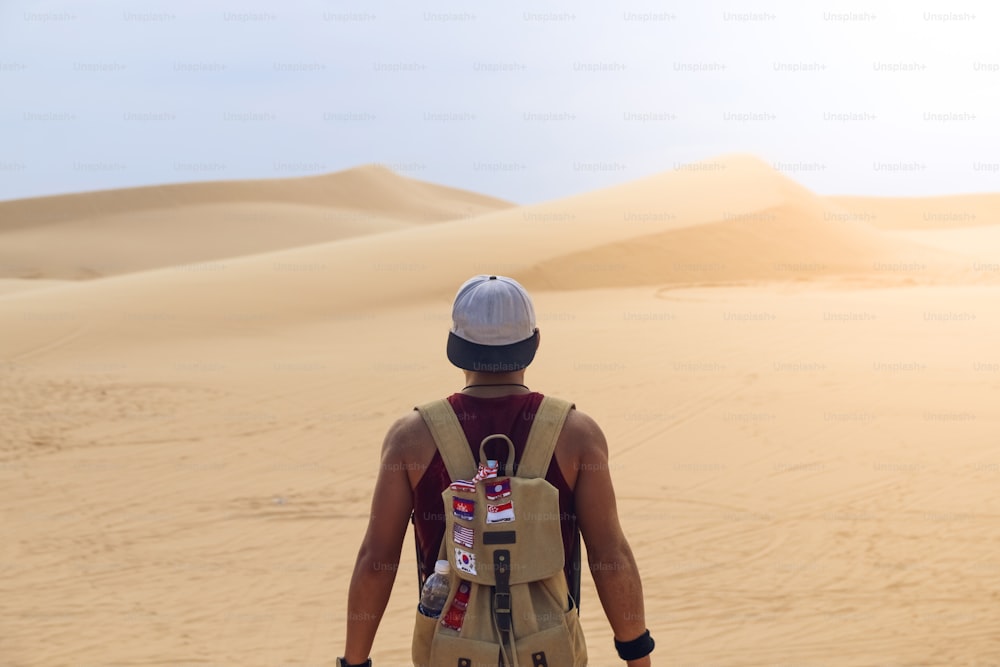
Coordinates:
(542,438)
(449,438)
(545,429)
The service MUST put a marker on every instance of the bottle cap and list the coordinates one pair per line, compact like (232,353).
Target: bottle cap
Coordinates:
(442,567)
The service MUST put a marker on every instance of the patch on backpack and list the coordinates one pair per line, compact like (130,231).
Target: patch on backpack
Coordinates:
(500,513)
(497,488)
(465,561)
(463,535)
(464,508)
(463,486)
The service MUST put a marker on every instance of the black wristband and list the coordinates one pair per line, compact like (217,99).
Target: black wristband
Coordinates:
(639,647)
(343,663)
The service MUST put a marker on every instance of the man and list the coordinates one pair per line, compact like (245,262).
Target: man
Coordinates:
(493,339)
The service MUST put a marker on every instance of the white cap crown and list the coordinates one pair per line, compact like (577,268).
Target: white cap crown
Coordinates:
(493,310)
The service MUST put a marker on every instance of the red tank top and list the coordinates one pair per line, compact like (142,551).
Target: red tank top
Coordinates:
(480,417)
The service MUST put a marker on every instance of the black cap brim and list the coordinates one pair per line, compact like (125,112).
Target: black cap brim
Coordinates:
(492,358)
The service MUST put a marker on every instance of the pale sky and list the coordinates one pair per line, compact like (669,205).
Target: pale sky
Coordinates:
(524,101)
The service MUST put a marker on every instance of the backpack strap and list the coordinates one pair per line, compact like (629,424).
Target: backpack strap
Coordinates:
(545,429)
(542,438)
(449,438)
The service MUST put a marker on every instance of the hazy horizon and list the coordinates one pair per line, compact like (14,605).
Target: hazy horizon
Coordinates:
(519,103)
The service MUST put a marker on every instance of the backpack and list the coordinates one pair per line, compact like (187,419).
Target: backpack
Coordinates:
(503,541)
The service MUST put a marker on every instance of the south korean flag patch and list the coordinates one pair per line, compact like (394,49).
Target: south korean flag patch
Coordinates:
(465,561)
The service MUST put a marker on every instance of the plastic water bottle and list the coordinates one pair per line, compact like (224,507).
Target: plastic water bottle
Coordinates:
(435,591)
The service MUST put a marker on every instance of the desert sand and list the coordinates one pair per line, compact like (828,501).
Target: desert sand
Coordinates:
(800,394)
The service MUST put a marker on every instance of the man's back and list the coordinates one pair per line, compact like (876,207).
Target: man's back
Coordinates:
(513,415)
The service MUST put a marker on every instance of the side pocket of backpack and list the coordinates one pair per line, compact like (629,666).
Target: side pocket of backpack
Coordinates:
(451,650)
(423,635)
(577,638)
(560,645)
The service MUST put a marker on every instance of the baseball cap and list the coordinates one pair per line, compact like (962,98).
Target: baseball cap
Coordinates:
(493,326)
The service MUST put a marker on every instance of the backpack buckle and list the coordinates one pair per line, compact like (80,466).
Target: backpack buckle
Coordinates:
(501,603)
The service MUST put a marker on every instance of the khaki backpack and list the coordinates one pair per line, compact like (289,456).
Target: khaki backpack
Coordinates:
(503,541)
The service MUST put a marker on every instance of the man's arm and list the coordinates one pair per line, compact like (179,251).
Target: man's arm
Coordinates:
(610,557)
(378,558)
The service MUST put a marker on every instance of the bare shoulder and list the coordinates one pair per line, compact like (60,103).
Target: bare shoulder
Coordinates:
(593,490)
(407,432)
(581,435)
(409,442)
(580,445)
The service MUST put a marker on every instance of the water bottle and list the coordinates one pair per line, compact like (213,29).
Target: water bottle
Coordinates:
(435,591)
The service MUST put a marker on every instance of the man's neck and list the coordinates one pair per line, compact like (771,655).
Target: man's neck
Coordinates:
(494,384)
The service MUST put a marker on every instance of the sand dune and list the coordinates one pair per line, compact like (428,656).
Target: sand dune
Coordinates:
(11,285)
(671,229)
(369,188)
(948,212)
(96,234)
(794,239)
(153,238)
(800,406)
